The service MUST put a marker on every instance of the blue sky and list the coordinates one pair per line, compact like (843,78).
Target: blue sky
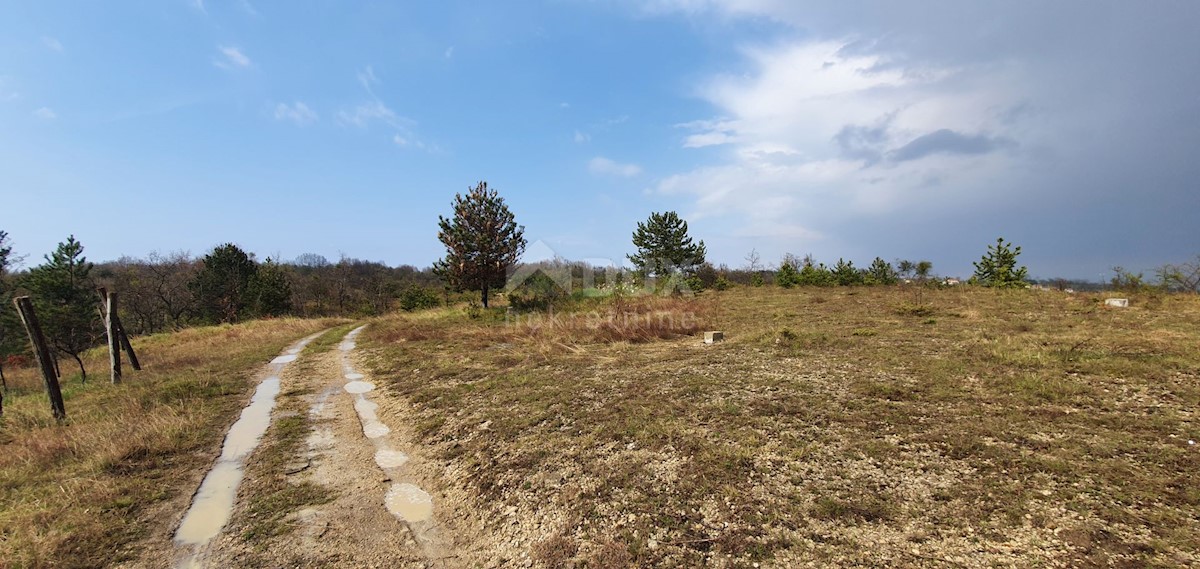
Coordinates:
(841,129)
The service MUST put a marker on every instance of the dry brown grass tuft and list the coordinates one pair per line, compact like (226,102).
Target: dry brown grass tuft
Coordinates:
(637,320)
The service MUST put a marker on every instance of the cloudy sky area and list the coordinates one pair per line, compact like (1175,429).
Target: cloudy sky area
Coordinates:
(841,129)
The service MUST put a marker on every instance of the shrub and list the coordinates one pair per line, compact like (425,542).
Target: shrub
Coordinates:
(538,292)
(787,277)
(845,274)
(415,297)
(998,268)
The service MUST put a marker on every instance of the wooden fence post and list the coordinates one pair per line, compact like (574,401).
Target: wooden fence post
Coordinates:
(124,338)
(133,361)
(114,343)
(42,352)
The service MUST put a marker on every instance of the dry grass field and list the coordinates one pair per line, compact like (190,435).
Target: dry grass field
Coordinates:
(833,427)
(83,494)
(856,427)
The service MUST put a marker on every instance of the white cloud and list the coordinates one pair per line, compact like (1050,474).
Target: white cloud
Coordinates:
(52,43)
(582,137)
(367,78)
(407,141)
(375,111)
(45,113)
(449,52)
(810,132)
(605,166)
(297,112)
(363,115)
(199,5)
(232,58)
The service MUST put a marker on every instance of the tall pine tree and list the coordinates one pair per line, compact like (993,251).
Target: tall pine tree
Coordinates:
(664,247)
(482,242)
(10,328)
(221,288)
(998,268)
(270,290)
(65,299)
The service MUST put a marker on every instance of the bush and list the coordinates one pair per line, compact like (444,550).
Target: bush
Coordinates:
(998,268)
(415,297)
(844,274)
(722,283)
(787,277)
(815,275)
(538,292)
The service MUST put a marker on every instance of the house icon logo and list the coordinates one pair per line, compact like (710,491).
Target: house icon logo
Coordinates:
(540,258)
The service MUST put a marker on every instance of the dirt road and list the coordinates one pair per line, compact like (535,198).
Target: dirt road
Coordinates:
(375,501)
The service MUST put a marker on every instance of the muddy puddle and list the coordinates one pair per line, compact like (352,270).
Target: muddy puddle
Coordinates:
(406,501)
(213,502)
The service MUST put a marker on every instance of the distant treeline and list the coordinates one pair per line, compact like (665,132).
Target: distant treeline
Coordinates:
(172,291)
(164,292)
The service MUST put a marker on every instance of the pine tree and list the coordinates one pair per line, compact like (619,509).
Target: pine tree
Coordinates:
(664,247)
(881,273)
(270,290)
(844,274)
(482,242)
(65,299)
(5,253)
(11,340)
(221,286)
(815,274)
(787,276)
(998,268)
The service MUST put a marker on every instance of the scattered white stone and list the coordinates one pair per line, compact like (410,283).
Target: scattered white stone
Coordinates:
(1191,442)
(1117,302)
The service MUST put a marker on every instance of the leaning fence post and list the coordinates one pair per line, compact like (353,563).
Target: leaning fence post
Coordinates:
(133,361)
(42,352)
(114,344)
(121,335)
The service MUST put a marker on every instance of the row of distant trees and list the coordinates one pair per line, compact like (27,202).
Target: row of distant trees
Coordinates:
(483,243)
(168,292)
